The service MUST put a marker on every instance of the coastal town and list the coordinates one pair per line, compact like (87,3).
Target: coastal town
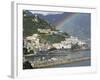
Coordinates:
(33,42)
(46,54)
(44,46)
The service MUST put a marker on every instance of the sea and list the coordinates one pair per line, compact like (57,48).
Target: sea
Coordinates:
(71,54)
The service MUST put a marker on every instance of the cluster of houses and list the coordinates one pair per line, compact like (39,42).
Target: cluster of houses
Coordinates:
(33,43)
(47,31)
(68,42)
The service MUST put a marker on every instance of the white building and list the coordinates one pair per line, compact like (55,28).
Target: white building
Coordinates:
(32,42)
(44,30)
(56,45)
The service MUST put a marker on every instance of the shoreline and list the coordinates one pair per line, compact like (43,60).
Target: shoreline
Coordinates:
(59,62)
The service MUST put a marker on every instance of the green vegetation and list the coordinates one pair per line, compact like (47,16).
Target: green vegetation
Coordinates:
(27,65)
(51,38)
(32,23)
(75,46)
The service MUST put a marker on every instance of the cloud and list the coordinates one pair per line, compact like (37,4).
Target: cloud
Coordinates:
(45,13)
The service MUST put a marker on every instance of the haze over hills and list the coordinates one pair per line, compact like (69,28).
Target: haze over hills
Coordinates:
(79,26)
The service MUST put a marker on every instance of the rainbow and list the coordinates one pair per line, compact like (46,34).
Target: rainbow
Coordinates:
(66,19)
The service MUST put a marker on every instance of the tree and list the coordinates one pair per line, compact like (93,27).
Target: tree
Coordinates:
(27,65)
(75,46)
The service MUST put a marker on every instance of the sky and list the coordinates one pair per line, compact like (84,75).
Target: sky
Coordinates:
(45,13)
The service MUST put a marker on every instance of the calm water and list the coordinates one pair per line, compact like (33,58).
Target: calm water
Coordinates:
(76,64)
(80,63)
(72,54)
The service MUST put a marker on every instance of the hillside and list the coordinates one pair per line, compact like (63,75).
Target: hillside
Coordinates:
(32,23)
